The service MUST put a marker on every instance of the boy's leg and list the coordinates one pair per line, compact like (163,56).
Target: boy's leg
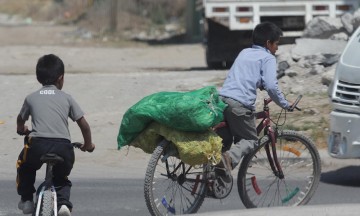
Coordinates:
(25,182)
(62,171)
(241,121)
(227,138)
(27,165)
(63,187)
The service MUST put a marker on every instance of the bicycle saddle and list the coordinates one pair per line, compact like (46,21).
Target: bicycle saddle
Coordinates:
(51,157)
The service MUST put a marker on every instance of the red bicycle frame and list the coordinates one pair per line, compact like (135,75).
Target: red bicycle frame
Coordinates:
(272,135)
(265,124)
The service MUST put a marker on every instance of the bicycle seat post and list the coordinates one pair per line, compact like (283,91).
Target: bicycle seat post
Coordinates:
(50,160)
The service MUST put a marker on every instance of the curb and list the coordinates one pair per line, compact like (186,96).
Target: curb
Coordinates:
(328,161)
(310,210)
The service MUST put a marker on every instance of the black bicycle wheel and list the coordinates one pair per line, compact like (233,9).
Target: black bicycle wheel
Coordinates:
(47,203)
(171,186)
(300,161)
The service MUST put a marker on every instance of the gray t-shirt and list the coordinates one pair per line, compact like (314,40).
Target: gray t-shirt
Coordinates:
(49,109)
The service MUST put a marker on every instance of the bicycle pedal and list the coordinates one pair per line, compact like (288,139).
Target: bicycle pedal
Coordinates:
(220,171)
(222,187)
(210,191)
(219,168)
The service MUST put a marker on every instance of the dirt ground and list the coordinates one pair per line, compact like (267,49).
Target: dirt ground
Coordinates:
(106,81)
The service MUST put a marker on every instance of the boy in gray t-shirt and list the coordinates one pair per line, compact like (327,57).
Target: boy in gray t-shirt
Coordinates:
(49,108)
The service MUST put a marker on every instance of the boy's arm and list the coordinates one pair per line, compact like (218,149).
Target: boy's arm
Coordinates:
(86,132)
(271,83)
(21,128)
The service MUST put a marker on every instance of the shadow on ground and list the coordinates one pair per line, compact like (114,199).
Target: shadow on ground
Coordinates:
(346,176)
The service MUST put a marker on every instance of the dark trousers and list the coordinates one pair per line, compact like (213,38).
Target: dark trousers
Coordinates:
(29,162)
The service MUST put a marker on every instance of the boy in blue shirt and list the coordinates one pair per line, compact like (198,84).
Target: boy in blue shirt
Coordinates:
(49,108)
(254,68)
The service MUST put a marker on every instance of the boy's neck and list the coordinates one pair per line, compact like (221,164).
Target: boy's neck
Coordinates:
(56,85)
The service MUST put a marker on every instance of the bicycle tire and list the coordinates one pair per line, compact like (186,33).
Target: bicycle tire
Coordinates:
(47,203)
(175,193)
(300,161)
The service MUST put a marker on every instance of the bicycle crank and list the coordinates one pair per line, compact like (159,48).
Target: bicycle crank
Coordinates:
(222,188)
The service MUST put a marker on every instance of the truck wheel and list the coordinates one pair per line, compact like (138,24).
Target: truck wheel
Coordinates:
(213,64)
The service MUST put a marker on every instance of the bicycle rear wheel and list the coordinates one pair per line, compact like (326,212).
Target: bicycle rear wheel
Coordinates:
(171,186)
(300,161)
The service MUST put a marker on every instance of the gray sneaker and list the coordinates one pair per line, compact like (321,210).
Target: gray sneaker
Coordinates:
(64,211)
(26,206)
(21,205)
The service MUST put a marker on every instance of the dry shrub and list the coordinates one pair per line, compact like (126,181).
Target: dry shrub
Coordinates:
(46,10)
(22,7)
(134,15)
(94,14)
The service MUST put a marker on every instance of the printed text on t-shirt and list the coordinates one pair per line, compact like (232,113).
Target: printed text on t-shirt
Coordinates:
(48,92)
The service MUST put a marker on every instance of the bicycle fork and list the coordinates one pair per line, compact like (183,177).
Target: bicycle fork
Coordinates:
(272,154)
(275,164)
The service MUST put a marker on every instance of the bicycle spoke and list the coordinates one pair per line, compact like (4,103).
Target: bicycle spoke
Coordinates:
(177,188)
(301,169)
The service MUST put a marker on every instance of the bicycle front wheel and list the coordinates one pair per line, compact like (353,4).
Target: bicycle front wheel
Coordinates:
(299,159)
(46,203)
(171,186)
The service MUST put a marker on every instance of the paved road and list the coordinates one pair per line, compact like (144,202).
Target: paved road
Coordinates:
(338,192)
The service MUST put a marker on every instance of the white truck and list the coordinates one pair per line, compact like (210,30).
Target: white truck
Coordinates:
(228,24)
(344,92)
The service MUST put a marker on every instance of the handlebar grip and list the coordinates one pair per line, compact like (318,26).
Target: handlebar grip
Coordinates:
(297,100)
(77,145)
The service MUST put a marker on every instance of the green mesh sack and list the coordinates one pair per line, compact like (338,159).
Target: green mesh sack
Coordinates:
(193,148)
(194,111)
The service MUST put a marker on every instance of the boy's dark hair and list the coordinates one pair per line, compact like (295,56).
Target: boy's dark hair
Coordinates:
(266,31)
(48,69)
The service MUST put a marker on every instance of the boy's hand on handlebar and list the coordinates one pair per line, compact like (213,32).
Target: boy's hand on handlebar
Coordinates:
(23,131)
(294,105)
(290,108)
(88,148)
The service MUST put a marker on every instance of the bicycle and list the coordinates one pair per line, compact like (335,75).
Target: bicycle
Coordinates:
(283,170)
(46,198)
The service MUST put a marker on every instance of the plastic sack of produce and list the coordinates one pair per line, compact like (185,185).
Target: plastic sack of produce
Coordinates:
(193,111)
(193,148)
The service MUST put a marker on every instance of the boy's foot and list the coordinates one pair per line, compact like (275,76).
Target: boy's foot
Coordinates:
(223,169)
(64,211)
(26,206)
(227,161)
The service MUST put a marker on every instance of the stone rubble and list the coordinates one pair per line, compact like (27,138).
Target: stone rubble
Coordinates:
(309,65)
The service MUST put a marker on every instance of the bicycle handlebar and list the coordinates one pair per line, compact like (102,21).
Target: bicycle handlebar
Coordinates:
(294,105)
(75,144)
(78,145)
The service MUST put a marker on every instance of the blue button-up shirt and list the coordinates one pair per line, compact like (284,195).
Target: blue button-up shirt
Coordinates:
(253,68)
